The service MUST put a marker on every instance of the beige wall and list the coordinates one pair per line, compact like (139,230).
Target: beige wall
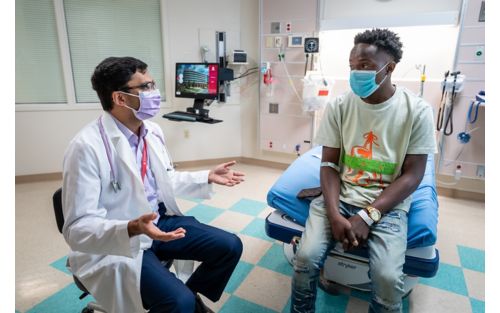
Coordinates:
(42,136)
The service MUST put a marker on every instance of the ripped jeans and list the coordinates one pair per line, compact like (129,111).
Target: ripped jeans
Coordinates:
(386,245)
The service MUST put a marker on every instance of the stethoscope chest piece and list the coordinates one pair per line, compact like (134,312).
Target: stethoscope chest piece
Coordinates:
(116,186)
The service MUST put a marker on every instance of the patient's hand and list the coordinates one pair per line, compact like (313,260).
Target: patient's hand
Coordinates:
(144,225)
(222,174)
(359,228)
(342,232)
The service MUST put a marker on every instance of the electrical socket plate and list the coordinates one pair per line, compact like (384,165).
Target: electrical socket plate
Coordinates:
(269,42)
(275,27)
(273,108)
(278,42)
(480,171)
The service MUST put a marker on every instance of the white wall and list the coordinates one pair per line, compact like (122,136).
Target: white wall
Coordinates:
(43,135)
(436,51)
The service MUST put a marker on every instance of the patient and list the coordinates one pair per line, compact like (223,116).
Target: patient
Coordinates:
(375,139)
(122,221)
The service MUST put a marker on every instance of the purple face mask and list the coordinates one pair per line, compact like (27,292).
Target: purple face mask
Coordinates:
(149,104)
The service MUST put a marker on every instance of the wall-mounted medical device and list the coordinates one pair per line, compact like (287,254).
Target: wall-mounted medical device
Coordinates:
(295,41)
(311,45)
(239,57)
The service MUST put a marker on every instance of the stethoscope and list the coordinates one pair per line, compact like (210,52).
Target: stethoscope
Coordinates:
(114,182)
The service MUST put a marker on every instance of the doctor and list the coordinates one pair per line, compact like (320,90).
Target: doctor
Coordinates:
(121,218)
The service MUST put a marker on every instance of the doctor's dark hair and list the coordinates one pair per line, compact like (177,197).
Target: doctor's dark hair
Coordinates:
(383,39)
(113,74)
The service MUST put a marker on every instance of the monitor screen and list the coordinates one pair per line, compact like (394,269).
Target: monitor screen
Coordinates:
(197,80)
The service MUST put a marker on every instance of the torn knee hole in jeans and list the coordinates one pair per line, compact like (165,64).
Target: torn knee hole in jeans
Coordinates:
(387,306)
(387,224)
(300,267)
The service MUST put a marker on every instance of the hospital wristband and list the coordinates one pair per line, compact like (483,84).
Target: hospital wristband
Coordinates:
(332,165)
(365,217)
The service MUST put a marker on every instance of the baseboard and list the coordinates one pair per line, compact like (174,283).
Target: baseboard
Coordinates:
(259,162)
(466,188)
(442,191)
(460,194)
(21,179)
(206,162)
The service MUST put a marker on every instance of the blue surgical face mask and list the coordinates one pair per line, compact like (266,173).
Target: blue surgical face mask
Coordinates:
(363,83)
(149,104)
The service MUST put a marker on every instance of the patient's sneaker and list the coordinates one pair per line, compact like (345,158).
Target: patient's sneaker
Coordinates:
(201,307)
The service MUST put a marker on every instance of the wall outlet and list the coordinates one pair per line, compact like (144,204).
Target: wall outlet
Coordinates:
(480,171)
(278,42)
(269,42)
(273,108)
(288,27)
(275,27)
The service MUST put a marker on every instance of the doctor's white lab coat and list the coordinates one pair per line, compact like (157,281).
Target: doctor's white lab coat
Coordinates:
(103,257)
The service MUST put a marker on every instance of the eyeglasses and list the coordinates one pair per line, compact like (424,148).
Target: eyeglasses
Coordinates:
(144,87)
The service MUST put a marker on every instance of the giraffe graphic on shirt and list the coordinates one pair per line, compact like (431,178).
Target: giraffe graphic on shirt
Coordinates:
(364,152)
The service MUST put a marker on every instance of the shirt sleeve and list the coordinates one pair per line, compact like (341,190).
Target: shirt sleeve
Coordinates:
(422,138)
(329,132)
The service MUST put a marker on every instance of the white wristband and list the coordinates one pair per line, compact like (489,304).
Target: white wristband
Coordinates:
(365,217)
(332,165)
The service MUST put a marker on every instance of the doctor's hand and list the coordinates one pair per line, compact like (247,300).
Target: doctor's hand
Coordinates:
(222,174)
(144,225)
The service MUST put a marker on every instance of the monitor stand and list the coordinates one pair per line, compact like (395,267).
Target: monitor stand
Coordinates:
(201,112)
(198,108)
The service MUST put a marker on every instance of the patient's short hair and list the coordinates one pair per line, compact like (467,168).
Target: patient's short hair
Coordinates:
(383,39)
(113,74)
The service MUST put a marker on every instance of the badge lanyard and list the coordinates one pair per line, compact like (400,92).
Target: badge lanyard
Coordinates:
(144,160)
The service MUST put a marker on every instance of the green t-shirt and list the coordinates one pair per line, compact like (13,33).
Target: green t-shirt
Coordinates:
(374,140)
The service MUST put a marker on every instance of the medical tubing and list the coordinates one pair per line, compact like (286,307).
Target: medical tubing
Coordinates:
(439,120)
(291,82)
(442,105)
(449,118)
(449,121)
(307,60)
(107,148)
(469,118)
(248,72)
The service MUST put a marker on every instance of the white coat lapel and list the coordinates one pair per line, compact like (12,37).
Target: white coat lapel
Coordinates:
(160,172)
(122,147)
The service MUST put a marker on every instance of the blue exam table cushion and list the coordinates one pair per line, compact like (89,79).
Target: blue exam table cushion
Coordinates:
(304,173)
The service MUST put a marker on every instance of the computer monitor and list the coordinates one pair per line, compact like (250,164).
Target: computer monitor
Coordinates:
(198,81)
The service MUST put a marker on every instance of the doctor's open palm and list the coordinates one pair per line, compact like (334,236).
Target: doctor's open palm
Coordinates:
(144,225)
(222,174)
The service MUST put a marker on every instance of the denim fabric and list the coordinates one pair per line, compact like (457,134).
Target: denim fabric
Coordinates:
(386,245)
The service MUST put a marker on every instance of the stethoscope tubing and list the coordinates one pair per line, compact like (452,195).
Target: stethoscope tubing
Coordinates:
(107,147)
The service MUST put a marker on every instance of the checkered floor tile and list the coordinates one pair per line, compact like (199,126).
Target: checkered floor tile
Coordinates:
(261,281)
